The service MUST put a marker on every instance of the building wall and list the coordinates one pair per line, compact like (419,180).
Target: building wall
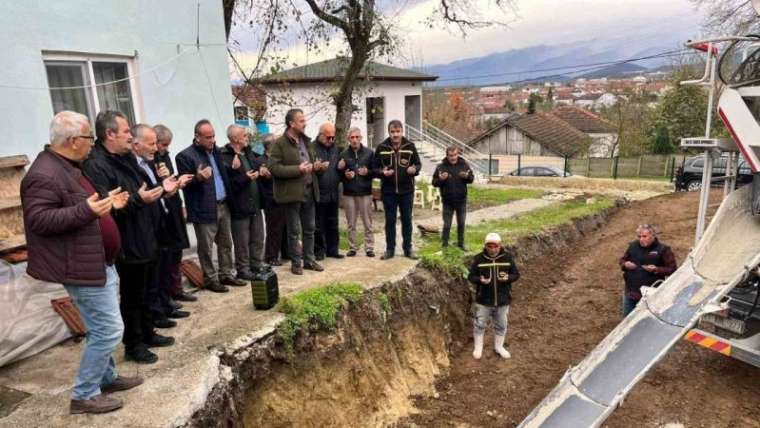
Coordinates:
(177,93)
(510,141)
(601,145)
(313,99)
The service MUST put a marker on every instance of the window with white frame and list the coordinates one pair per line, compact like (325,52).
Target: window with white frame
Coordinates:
(89,84)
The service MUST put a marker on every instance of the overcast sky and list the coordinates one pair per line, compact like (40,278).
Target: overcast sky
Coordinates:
(537,22)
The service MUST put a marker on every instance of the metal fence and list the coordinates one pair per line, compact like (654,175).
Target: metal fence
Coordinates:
(646,166)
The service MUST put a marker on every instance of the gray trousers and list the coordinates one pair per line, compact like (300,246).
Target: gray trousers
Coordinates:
(248,236)
(219,233)
(356,206)
(300,218)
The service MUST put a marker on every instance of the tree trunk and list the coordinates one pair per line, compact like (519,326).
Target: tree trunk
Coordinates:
(344,97)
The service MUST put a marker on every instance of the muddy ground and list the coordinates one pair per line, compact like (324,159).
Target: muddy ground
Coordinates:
(564,304)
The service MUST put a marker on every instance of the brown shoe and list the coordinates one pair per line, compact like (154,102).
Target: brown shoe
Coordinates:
(97,404)
(313,266)
(121,383)
(215,287)
(297,270)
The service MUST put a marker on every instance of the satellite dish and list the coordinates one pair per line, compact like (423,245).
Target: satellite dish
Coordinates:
(756,5)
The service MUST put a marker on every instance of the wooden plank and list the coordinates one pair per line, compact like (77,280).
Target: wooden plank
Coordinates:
(12,242)
(14,161)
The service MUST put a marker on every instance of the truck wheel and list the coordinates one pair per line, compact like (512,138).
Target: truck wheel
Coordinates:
(693,185)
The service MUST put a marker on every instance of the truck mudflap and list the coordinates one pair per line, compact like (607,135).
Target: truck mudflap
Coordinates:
(589,392)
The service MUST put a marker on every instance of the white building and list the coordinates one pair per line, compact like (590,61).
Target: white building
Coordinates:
(137,56)
(383,93)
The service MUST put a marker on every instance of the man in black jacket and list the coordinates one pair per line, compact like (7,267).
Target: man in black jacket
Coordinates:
(492,272)
(111,164)
(171,253)
(452,176)
(355,166)
(207,206)
(242,167)
(396,162)
(326,237)
(646,261)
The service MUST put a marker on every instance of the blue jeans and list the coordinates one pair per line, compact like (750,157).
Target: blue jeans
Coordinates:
(393,203)
(99,307)
(628,305)
(497,313)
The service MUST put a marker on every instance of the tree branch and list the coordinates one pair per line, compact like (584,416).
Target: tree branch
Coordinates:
(329,18)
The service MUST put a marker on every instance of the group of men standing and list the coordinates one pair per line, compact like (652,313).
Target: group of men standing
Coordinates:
(105,210)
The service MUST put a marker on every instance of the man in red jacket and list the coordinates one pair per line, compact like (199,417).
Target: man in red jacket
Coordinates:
(72,240)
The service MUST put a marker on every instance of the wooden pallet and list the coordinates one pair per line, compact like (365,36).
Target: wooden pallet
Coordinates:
(11,216)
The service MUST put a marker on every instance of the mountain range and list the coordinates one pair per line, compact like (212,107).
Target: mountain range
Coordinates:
(596,57)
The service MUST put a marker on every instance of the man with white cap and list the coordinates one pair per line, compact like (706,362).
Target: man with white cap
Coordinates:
(492,271)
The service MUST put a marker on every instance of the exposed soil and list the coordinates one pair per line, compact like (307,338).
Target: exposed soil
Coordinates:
(567,301)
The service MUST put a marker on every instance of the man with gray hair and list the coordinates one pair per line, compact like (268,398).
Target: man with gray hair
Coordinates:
(645,262)
(242,167)
(355,170)
(73,240)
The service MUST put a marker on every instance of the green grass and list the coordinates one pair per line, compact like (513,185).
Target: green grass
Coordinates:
(314,309)
(384,302)
(495,196)
(511,229)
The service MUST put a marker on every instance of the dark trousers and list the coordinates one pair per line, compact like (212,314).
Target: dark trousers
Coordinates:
(164,283)
(448,212)
(133,282)
(326,238)
(276,239)
(393,203)
(300,218)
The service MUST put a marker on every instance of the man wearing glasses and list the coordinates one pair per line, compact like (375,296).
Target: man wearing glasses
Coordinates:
(326,238)
(646,261)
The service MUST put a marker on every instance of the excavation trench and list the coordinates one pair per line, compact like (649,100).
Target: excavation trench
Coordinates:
(388,347)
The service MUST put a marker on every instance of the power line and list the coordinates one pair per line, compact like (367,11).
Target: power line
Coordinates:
(665,54)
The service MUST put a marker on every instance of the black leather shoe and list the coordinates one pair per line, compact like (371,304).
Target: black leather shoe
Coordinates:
(335,256)
(319,257)
(175,304)
(370,253)
(350,253)
(178,314)
(233,281)
(274,262)
(184,296)
(245,276)
(216,287)
(164,323)
(387,255)
(158,341)
(141,355)
(411,255)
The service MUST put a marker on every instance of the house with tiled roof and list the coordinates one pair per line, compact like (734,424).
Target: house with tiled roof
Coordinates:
(565,131)
(383,93)
(602,132)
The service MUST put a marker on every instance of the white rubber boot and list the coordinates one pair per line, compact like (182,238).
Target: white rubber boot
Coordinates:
(498,346)
(478,351)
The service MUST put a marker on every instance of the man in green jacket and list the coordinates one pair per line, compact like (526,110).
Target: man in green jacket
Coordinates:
(293,166)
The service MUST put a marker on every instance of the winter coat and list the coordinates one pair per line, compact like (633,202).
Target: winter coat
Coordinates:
(284,159)
(138,222)
(200,196)
(498,292)
(63,235)
(266,184)
(400,182)
(245,199)
(454,188)
(174,225)
(329,179)
(359,185)
(657,254)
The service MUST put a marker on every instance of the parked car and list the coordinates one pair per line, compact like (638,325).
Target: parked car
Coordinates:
(688,176)
(540,171)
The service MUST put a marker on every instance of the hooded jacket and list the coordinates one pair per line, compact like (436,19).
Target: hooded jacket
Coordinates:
(501,272)
(400,182)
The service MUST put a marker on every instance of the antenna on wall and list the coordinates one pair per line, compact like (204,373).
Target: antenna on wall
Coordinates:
(198,27)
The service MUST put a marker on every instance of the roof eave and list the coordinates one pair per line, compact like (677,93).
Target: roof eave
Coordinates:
(339,78)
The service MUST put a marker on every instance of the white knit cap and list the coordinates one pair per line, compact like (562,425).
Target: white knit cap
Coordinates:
(493,238)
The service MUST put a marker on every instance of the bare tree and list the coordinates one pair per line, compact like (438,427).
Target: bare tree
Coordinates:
(366,29)
(729,16)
